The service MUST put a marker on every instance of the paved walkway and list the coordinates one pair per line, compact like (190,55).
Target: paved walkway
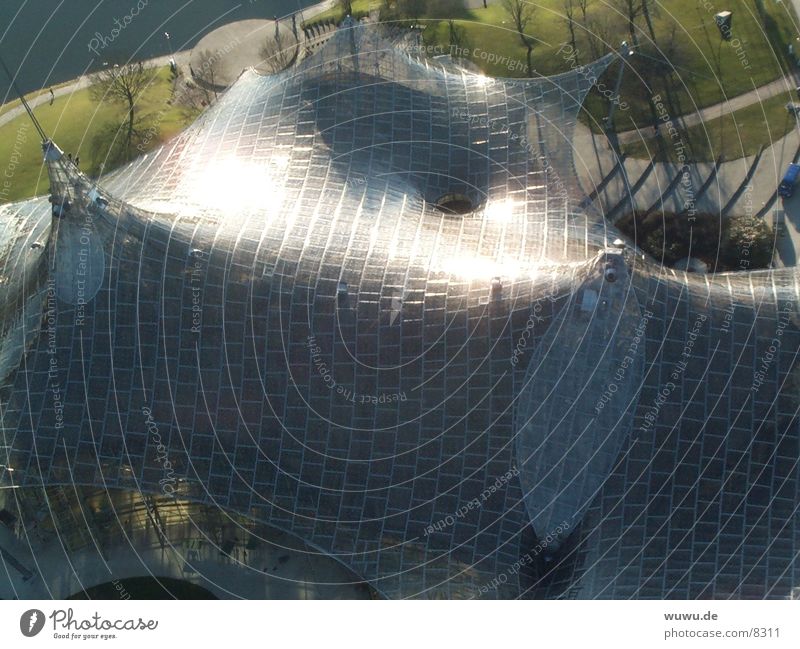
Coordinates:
(221,56)
(84,81)
(730,189)
(594,157)
(182,58)
(729,193)
(755,96)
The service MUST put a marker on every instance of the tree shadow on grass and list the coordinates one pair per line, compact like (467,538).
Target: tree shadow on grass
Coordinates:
(113,146)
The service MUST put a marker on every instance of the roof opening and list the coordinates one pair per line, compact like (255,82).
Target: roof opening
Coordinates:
(455,204)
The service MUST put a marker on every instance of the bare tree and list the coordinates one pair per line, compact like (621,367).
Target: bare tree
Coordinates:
(124,84)
(411,9)
(445,9)
(457,37)
(631,9)
(347,8)
(387,12)
(521,13)
(277,53)
(569,7)
(675,54)
(716,57)
(207,73)
(647,19)
(603,35)
(584,6)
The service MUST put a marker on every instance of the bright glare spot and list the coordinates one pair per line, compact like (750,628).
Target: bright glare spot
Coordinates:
(233,184)
(474,267)
(501,211)
(280,161)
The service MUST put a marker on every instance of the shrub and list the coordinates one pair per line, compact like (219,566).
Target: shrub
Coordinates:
(734,243)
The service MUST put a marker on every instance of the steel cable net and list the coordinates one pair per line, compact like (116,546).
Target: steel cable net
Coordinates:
(362,119)
(358,301)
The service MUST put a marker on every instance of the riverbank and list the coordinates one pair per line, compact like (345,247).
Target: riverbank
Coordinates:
(83,127)
(47,43)
(80,124)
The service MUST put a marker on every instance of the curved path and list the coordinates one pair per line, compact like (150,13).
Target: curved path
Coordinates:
(84,81)
(755,96)
(182,58)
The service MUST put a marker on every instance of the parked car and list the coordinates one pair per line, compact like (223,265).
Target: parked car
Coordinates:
(786,188)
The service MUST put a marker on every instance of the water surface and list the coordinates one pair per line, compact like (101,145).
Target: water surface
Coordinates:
(48,41)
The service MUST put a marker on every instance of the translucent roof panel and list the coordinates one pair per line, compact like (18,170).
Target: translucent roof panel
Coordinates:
(359,301)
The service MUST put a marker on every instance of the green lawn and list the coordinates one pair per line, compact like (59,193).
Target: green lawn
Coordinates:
(360,7)
(686,36)
(495,47)
(73,121)
(736,135)
(706,65)
(31,95)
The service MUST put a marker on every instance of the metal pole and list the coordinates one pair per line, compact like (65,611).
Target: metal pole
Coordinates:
(13,81)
